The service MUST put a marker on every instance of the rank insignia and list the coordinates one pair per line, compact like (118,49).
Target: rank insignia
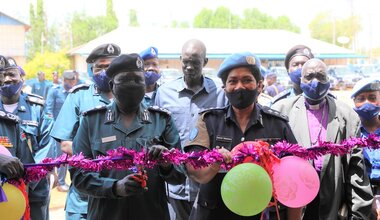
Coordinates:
(5,142)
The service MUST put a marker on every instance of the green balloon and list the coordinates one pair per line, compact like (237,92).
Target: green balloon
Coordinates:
(246,189)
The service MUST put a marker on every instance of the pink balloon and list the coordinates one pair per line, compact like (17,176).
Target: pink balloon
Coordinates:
(295,181)
(5,151)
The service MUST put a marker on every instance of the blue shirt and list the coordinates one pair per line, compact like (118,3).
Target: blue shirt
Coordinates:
(372,158)
(30,138)
(80,99)
(55,99)
(184,106)
(41,88)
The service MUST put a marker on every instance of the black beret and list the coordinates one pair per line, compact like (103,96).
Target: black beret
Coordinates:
(125,63)
(7,63)
(103,51)
(298,50)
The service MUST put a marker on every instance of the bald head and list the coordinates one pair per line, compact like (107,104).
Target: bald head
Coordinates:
(194,46)
(314,68)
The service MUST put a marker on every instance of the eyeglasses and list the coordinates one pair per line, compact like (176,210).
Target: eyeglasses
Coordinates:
(99,69)
(362,98)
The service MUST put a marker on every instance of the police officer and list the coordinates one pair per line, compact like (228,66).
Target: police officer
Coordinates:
(82,98)
(54,101)
(126,122)
(224,128)
(294,60)
(25,132)
(366,98)
(151,73)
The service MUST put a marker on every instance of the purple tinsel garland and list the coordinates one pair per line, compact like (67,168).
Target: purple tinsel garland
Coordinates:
(124,159)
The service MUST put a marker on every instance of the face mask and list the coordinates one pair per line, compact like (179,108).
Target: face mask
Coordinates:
(10,89)
(242,98)
(102,81)
(368,111)
(67,86)
(315,90)
(128,96)
(295,76)
(151,77)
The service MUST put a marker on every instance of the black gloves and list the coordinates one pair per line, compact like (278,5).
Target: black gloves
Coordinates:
(132,184)
(11,167)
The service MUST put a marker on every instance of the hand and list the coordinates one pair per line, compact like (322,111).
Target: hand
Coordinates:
(227,155)
(133,184)
(155,153)
(11,167)
(66,147)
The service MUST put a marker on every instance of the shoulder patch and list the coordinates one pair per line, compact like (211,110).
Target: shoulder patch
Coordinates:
(36,99)
(79,87)
(96,109)
(210,110)
(158,109)
(269,111)
(280,96)
(9,116)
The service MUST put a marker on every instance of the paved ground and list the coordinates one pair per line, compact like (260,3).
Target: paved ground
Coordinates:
(57,202)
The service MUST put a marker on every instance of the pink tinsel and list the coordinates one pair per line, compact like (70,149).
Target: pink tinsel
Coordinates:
(260,152)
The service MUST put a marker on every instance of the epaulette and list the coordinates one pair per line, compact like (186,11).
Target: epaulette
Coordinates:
(269,111)
(36,99)
(209,110)
(158,109)
(9,116)
(280,96)
(78,87)
(331,95)
(96,109)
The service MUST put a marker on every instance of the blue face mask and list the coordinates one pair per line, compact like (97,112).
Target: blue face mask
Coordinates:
(10,89)
(368,111)
(102,81)
(315,90)
(67,86)
(151,77)
(295,76)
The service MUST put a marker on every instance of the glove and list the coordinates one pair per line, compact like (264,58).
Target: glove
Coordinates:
(11,167)
(155,153)
(133,184)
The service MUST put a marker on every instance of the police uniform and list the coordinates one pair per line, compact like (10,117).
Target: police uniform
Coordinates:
(26,132)
(150,53)
(101,130)
(218,127)
(81,98)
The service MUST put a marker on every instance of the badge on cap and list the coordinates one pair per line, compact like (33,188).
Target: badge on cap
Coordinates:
(2,62)
(251,60)
(110,49)
(152,51)
(306,52)
(139,63)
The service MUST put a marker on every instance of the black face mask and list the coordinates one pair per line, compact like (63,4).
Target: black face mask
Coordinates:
(242,98)
(128,96)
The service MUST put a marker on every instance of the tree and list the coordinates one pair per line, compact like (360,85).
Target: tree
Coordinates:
(325,27)
(203,18)
(133,22)
(47,62)
(36,37)
(221,18)
(85,28)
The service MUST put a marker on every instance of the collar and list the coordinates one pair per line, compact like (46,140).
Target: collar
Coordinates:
(181,86)
(318,106)
(256,117)
(113,114)
(366,133)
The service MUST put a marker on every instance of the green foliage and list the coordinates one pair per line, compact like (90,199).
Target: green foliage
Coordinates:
(47,62)
(37,33)
(324,25)
(133,22)
(252,19)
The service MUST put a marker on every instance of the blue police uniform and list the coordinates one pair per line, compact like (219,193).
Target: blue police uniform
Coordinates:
(101,130)
(55,99)
(81,98)
(31,143)
(149,101)
(41,88)
(218,127)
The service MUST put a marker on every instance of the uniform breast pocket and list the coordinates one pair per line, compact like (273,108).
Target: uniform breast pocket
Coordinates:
(180,115)
(101,148)
(223,141)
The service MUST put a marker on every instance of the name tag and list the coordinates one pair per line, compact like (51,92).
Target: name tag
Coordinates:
(108,139)
(223,139)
